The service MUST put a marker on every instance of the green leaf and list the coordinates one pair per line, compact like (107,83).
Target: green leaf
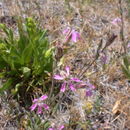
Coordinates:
(16,89)
(42,37)
(23,37)
(27,54)
(48,53)
(7,85)
(2,26)
(126,71)
(26,71)
(2,63)
(126,66)
(46,125)
(2,74)
(126,62)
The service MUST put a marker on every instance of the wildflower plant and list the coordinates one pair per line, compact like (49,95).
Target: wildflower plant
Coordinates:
(39,104)
(68,80)
(26,59)
(71,34)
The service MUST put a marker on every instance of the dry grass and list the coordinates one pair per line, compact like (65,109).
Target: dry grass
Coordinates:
(109,107)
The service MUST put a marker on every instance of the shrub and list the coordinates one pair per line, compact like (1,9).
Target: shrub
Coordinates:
(26,60)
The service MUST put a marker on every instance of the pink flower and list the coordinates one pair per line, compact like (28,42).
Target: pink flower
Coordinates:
(128,45)
(71,34)
(67,30)
(38,103)
(59,128)
(68,80)
(75,36)
(116,21)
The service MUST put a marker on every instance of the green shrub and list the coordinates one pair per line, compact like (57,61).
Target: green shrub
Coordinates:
(26,60)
